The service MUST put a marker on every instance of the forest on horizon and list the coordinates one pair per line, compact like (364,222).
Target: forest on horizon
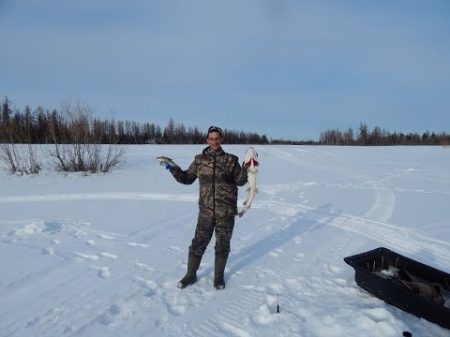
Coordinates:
(44,126)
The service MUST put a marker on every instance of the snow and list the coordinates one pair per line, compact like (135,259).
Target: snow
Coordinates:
(101,255)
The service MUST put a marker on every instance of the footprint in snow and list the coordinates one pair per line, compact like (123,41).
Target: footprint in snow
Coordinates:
(378,314)
(298,240)
(333,270)
(276,252)
(90,243)
(298,257)
(114,312)
(108,255)
(103,272)
(78,233)
(264,315)
(105,236)
(135,244)
(340,282)
(175,308)
(82,256)
(143,266)
(48,251)
(175,248)
(148,285)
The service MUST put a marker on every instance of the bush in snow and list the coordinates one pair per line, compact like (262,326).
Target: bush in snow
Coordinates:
(19,158)
(77,146)
(17,154)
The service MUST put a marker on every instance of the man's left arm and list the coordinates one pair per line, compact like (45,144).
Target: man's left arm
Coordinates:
(185,177)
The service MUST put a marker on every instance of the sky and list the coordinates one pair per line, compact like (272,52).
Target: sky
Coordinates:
(284,68)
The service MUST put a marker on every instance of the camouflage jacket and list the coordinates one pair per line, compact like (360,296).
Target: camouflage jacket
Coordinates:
(219,174)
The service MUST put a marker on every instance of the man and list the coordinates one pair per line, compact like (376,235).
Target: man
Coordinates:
(219,174)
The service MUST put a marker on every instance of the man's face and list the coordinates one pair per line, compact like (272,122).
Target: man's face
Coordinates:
(214,140)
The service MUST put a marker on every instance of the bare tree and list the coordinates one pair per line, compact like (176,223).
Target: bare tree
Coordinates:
(17,153)
(77,144)
(19,158)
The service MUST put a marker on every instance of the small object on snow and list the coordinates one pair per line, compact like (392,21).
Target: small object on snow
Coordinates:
(278,303)
(407,334)
(412,286)
(251,164)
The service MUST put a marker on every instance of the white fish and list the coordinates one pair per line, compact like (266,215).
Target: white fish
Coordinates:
(166,161)
(251,163)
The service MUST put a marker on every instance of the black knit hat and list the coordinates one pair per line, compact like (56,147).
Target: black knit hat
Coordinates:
(215,129)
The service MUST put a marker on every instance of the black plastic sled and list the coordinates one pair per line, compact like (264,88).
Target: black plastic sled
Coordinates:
(405,283)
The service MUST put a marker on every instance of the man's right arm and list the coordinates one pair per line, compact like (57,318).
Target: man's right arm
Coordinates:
(185,177)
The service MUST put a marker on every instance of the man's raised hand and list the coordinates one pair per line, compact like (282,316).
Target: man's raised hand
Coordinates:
(166,162)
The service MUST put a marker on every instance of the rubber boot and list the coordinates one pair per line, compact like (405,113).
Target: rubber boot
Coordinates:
(219,268)
(191,274)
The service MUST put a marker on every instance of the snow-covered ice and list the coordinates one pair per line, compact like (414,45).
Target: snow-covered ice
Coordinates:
(101,255)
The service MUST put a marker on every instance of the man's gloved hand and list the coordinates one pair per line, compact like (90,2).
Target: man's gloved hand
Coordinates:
(166,165)
(166,162)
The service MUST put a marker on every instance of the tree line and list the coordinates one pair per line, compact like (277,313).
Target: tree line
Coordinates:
(43,126)
(378,136)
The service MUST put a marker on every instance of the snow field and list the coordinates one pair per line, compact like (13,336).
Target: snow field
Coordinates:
(101,255)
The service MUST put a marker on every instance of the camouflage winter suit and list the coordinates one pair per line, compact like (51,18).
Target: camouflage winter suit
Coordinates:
(219,174)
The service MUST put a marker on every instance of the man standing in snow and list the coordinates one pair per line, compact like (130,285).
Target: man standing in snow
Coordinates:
(219,175)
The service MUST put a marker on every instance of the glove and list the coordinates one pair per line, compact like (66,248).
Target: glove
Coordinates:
(166,162)
(167,166)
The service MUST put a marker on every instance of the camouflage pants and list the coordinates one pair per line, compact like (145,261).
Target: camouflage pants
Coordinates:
(203,233)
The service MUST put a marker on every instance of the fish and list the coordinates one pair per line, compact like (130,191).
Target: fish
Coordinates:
(166,162)
(251,164)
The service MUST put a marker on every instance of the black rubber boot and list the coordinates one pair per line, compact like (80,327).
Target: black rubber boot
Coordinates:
(191,274)
(219,268)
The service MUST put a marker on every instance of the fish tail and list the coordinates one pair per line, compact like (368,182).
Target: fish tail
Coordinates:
(241,213)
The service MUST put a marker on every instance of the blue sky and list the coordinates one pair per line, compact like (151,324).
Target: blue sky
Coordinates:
(284,68)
